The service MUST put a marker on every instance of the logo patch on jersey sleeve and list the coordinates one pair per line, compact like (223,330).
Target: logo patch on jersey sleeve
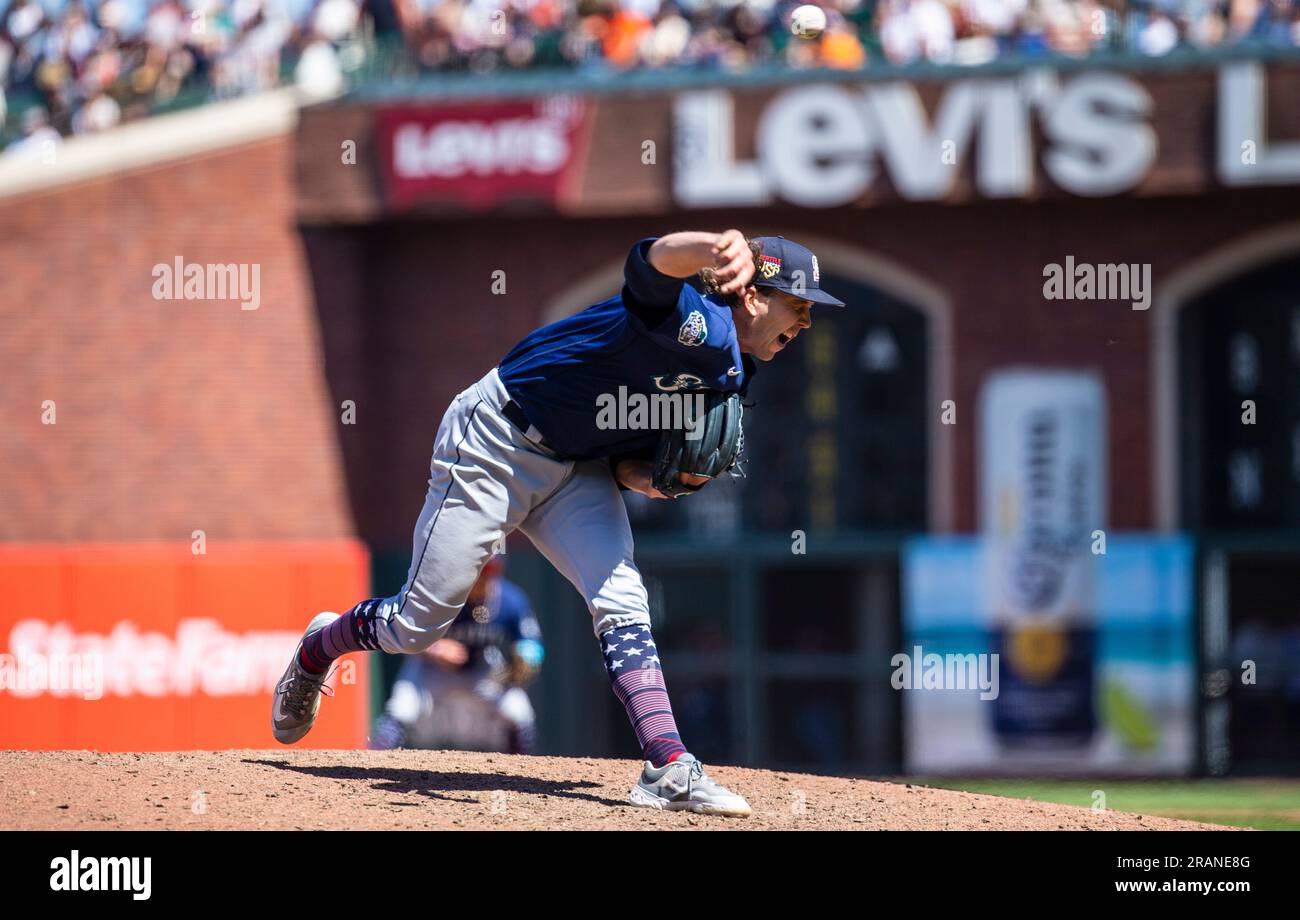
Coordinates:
(694,331)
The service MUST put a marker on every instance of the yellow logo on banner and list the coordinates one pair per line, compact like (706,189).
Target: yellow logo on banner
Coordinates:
(1037,652)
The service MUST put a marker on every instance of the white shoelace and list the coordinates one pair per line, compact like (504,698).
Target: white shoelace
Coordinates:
(299,687)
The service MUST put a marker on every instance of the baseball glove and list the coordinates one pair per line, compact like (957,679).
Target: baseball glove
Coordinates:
(709,445)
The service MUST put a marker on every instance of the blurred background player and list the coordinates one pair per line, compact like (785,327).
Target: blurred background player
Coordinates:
(466,691)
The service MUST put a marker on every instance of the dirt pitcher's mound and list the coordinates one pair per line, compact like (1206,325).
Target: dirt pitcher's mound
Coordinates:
(455,789)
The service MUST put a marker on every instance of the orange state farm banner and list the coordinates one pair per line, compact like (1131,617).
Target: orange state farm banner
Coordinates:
(151,647)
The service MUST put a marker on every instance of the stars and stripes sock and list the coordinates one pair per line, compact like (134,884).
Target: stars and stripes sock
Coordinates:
(352,632)
(632,663)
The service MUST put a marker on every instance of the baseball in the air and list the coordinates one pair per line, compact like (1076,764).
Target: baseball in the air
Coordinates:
(808,21)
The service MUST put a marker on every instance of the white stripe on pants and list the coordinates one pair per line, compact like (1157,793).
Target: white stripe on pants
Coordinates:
(486,480)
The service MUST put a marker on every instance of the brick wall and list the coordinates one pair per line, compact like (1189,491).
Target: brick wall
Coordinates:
(171,416)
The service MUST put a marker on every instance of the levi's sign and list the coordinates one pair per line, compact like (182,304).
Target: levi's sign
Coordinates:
(476,156)
(828,145)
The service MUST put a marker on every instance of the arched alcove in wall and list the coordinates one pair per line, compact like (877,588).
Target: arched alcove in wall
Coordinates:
(1226,348)
(1225,330)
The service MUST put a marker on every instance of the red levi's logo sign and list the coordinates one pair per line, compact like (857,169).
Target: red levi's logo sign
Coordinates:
(479,156)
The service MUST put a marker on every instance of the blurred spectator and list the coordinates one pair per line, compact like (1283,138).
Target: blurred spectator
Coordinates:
(467,690)
(38,140)
(92,63)
(1158,36)
(840,47)
(913,30)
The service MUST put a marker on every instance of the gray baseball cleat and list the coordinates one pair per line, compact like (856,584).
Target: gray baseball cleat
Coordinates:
(684,786)
(297,695)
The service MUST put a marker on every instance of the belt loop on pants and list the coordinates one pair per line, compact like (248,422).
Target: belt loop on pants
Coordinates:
(515,416)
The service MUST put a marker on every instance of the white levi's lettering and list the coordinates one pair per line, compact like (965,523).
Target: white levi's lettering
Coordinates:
(453,149)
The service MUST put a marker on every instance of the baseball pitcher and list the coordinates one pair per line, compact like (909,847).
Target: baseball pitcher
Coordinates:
(529,447)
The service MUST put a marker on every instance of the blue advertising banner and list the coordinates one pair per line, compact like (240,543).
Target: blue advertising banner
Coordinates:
(1138,665)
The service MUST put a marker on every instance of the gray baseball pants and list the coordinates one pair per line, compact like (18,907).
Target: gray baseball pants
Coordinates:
(487,479)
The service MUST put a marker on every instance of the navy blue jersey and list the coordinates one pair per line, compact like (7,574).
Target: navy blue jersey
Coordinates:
(503,619)
(660,334)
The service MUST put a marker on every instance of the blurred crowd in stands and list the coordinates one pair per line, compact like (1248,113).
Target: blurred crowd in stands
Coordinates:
(79,66)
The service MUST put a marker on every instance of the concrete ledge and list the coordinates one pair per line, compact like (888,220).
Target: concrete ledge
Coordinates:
(155,140)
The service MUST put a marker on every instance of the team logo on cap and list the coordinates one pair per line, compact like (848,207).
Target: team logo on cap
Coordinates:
(769,267)
(694,331)
(817,272)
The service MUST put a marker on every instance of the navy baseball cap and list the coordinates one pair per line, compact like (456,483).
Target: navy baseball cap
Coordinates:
(789,267)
